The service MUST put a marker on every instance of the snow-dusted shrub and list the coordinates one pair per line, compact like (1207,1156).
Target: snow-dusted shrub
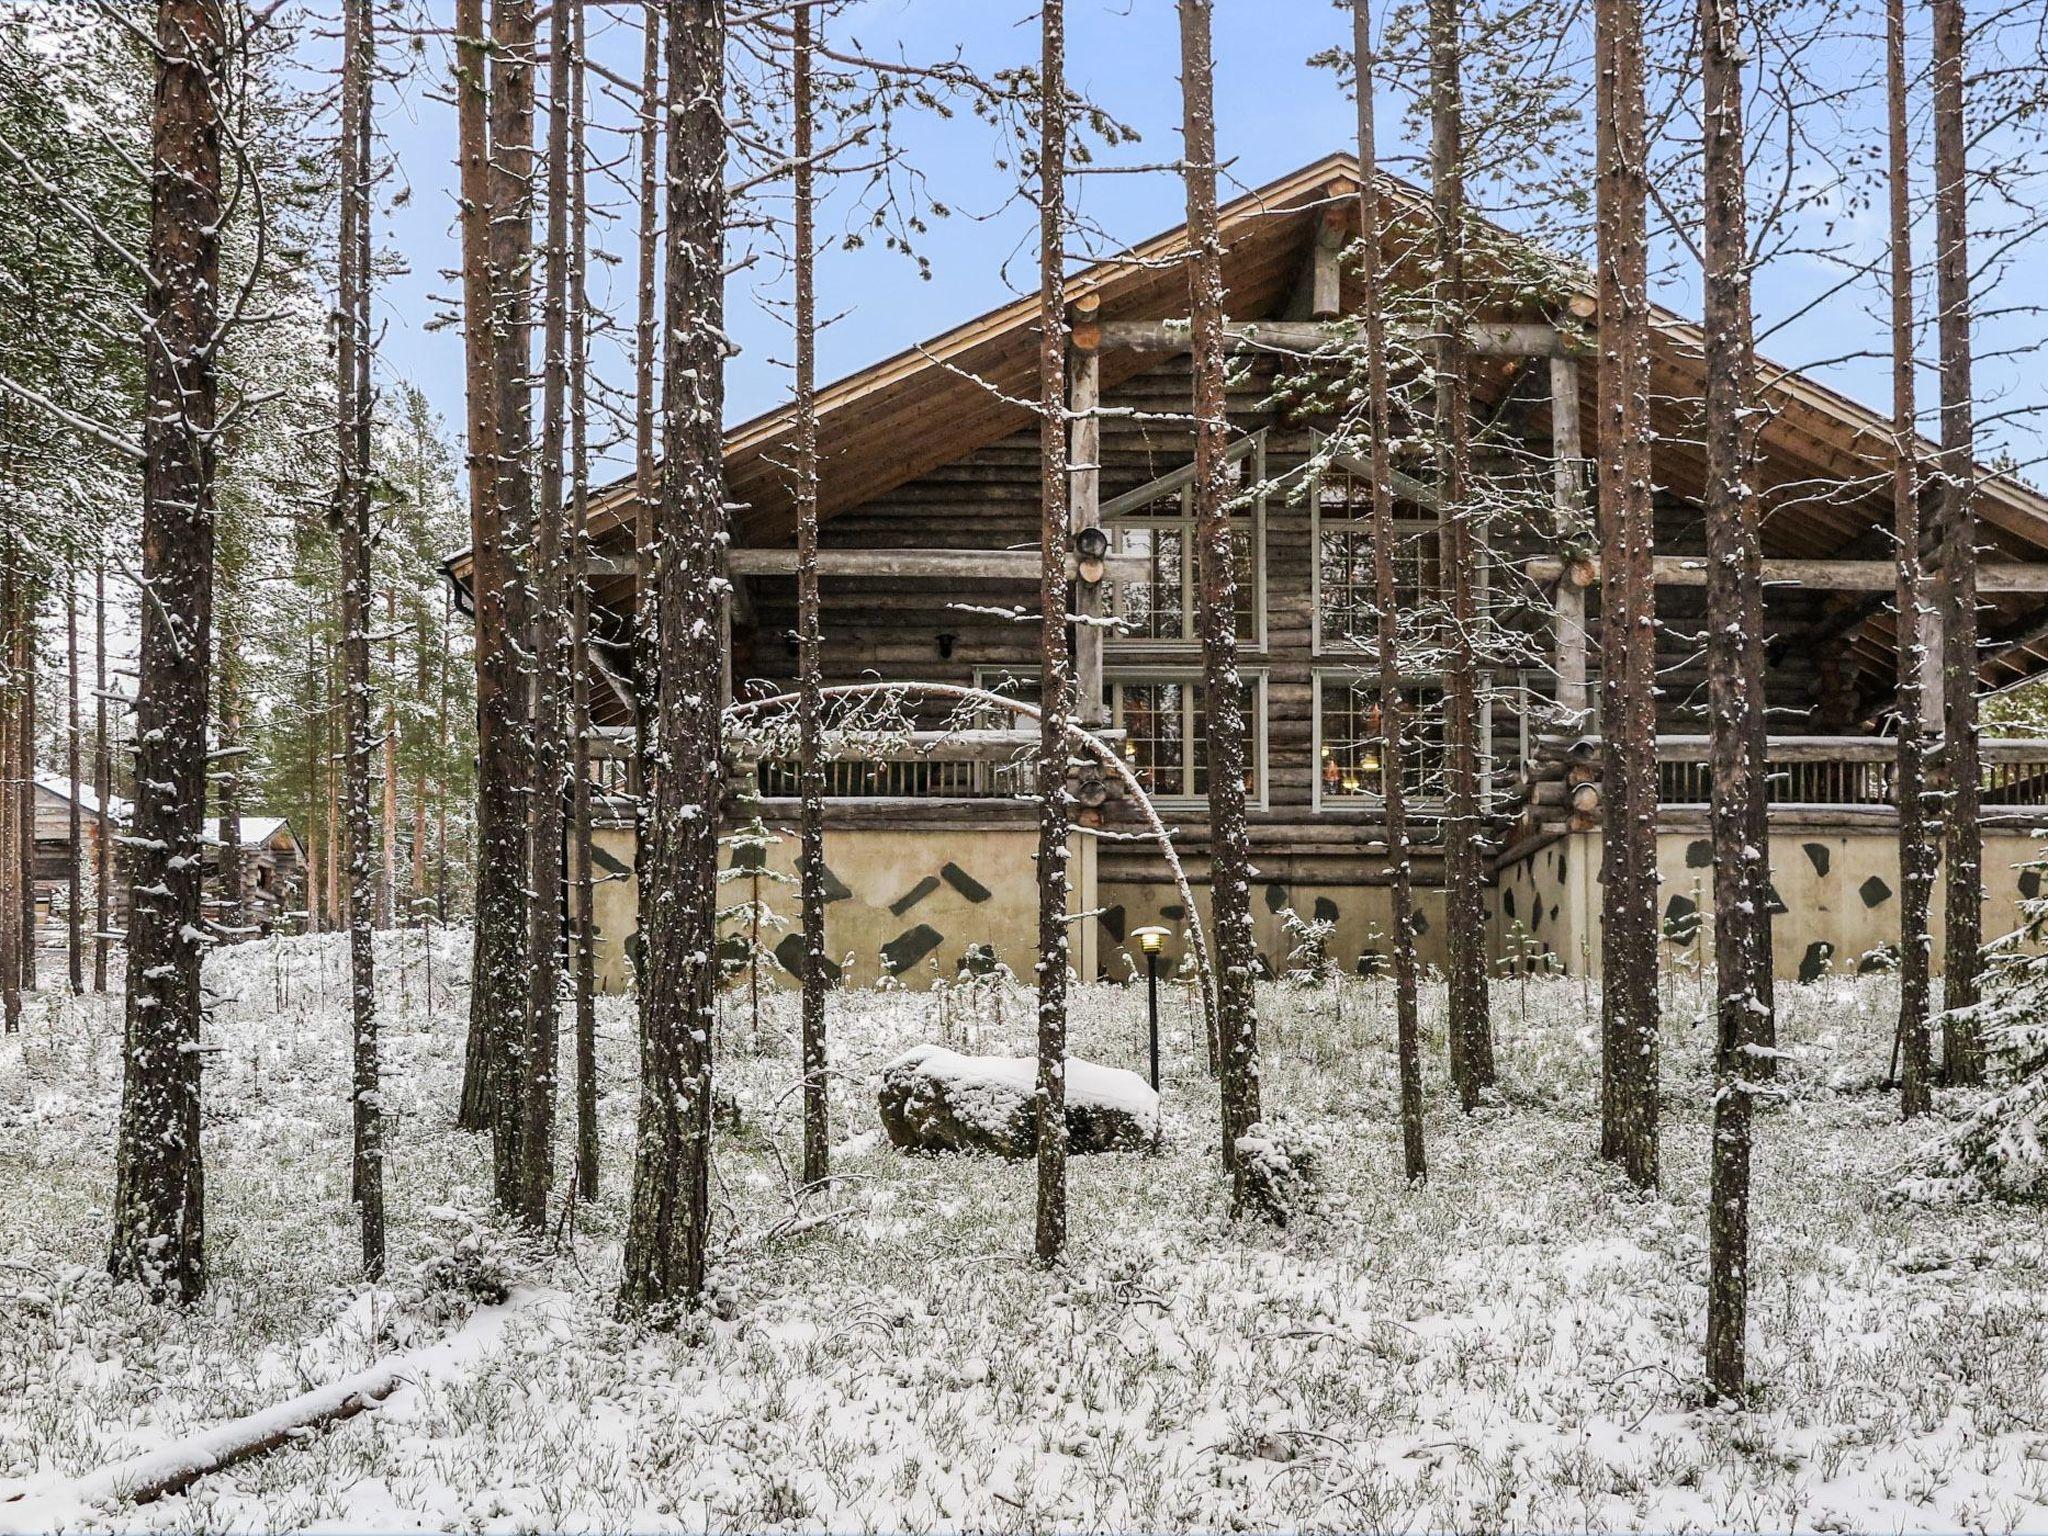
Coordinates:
(2001,1149)
(1280,1165)
(461,1262)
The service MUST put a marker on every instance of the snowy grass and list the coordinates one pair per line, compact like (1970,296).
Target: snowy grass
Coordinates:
(1514,1346)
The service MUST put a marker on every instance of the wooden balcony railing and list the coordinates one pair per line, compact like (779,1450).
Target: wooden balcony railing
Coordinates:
(1850,771)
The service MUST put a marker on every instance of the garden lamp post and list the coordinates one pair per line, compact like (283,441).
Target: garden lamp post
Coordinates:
(1151,940)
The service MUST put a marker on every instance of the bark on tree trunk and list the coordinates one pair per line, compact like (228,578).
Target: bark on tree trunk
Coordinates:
(524,1090)
(25,787)
(1962,1050)
(228,907)
(579,658)
(1468,1028)
(158,1225)
(102,783)
(387,882)
(1393,751)
(1628,643)
(1917,850)
(1223,688)
(665,1239)
(1735,695)
(74,884)
(10,803)
(354,343)
(1054,815)
(810,682)
(646,473)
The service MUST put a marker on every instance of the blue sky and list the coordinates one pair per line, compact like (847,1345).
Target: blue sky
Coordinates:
(1275,112)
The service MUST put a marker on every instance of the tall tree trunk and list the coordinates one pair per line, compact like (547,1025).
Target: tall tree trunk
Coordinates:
(1962,1049)
(1054,815)
(550,701)
(1469,1030)
(387,882)
(102,782)
(25,785)
(523,1096)
(441,763)
(579,648)
(1628,641)
(74,885)
(352,508)
(158,1225)
(1229,840)
(646,480)
(1735,694)
(10,803)
(1393,749)
(1918,853)
(665,1239)
(810,682)
(498,969)
(228,907)
(422,782)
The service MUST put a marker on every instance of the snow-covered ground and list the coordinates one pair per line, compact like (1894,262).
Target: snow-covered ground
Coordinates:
(1514,1346)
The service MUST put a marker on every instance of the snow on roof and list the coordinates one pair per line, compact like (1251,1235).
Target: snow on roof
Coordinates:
(256,830)
(88,801)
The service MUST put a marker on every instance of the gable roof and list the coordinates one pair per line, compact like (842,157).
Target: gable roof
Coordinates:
(1824,472)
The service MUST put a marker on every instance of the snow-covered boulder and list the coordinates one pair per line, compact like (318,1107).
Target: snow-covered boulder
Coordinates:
(936,1100)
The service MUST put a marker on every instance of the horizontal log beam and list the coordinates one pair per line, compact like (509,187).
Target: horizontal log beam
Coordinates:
(1821,575)
(922,564)
(1168,336)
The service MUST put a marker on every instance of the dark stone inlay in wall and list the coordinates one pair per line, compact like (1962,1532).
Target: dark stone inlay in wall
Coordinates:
(1535,916)
(1553,911)
(914,895)
(1173,912)
(910,946)
(1276,898)
(2030,883)
(1699,854)
(1883,959)
(1875,892)
(1507,902)
(1370,963)
(836,889)
(1815,963)
(1560,864)
(1326,910)
(1113,923)
(1774,903)
(1418,922)
(1819,856)
(1681,920)
(605,862)
(964,883)
(790,952)
(750,856)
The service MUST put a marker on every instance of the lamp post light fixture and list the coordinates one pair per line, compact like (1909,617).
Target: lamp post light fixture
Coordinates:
(1151,941)
(1091,546)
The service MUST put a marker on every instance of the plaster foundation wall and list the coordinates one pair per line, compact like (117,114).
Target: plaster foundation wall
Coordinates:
(1836,907)
(1363,915)
(906,904)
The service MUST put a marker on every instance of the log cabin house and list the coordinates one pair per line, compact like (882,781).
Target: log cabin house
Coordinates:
(929,499)
(273,872)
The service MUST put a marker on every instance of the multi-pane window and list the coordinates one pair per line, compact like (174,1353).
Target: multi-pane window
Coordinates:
(1347,587)
(1350,729)
(1157,523)
(1165,724)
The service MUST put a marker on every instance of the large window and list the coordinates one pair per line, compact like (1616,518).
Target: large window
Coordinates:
(1349,733)
(1157,523)
(1346,585)
(1164,718)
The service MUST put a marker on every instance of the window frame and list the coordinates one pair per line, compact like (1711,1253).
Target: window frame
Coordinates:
(1115,679)
(1427,805)
(1121,510)
(1406,488)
